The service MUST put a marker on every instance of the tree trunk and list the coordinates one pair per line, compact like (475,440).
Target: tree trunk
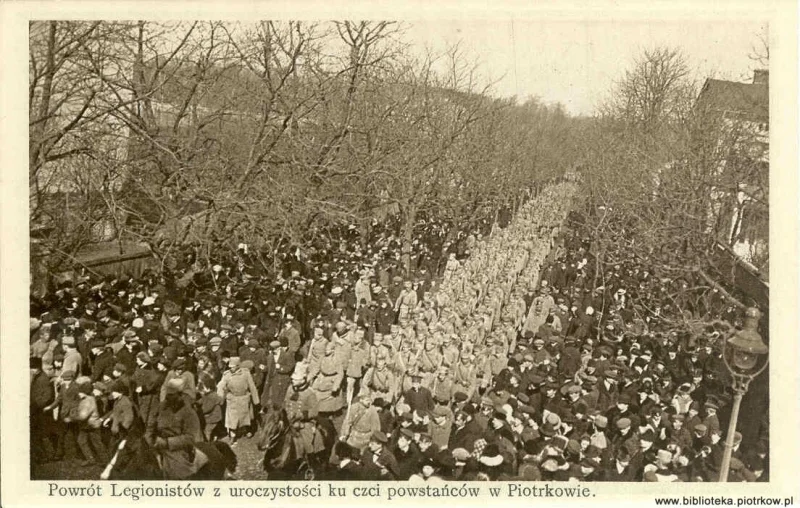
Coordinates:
(35,155)
(408,237)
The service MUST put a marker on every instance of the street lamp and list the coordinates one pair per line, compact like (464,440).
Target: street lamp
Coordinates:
(745,356)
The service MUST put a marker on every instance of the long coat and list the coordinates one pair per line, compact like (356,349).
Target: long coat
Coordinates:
(327,384)
(150,382)
(180,427)
(278,378)
(122,415)
(42,393)
(540,308)
(302,409)
(238,390)
(103,365)
(259,358)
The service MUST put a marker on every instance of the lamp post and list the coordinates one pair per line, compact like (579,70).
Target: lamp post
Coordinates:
(745,357)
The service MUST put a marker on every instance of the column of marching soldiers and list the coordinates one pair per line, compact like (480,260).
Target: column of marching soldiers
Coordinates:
(489,362)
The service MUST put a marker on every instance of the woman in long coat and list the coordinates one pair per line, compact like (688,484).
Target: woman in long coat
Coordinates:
(240,394)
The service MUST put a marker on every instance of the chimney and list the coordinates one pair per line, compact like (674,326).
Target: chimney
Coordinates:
(761,77)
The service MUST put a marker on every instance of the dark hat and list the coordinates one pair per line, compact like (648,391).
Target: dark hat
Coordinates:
(460,397)
(407,433)
(179,364)
(120,367)
(623,423)
(68,375)
(547,429)
(648,435)
(653,412)
(98,342)
(560,442)
(119,387)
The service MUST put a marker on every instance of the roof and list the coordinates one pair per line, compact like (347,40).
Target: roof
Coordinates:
(109,252)
(750,101)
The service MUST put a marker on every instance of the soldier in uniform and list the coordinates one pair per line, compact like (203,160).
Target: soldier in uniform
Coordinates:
(173,432)
(361,422)
(302,411)
(327,384)
(380,381)
(465,376)
(240,394)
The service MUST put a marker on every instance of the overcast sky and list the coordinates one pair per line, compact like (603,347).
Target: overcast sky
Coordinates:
(576,63)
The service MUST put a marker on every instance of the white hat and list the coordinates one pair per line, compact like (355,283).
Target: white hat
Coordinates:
(217,268)
(138,323)
(148,301)
(337,290)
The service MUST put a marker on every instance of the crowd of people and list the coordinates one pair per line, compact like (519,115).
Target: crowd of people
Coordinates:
(496,357)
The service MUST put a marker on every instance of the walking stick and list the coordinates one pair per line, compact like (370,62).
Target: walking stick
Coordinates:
(349,405)
(107,471)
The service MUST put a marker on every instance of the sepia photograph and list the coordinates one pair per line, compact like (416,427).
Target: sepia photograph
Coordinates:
(519,250)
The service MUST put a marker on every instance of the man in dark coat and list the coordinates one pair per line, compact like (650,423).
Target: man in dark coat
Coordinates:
(280,365)
(127,355)
(378,461)
(104,360)
(618,469)
(465,432)
(406,454)
(42,395)
(418,397)
(66,400)
(251,351)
